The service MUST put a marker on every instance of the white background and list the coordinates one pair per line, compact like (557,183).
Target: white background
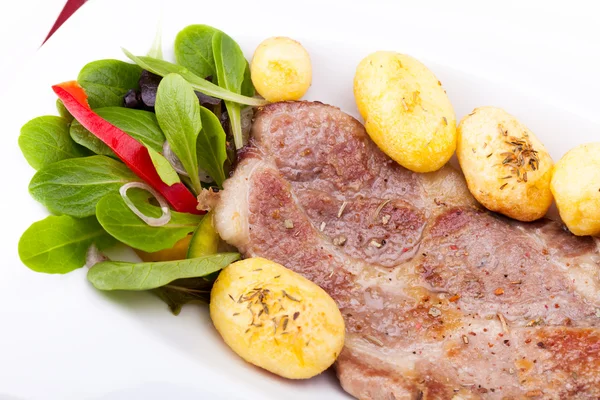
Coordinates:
(61,339)
(24,24)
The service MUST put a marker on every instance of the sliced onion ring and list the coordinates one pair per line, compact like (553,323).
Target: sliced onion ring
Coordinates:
(173,159)
(94,256)
(164,206)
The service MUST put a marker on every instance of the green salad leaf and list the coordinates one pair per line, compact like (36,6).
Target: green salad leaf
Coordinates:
(164,169)
(178,114)
(119,221)
(87,139)
(62,110)
(58,244)
(114,275)
(211,146)
(230,66)
(162,68)
(107,81)
(206,51)
(139,124)
(74,186)
(182,291)
(247,85)
(45,140)
(193,49)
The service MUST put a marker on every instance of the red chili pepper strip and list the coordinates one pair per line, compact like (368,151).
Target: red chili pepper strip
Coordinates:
(129,150)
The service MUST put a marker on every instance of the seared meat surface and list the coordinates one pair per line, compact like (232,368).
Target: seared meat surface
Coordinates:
(441,299)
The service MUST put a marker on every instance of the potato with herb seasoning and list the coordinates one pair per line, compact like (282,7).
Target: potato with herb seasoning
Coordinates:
(406,111)
(276,319)
(281,69)
(507,168)
(575,185)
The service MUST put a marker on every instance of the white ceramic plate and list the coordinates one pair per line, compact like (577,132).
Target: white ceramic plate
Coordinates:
(61,339)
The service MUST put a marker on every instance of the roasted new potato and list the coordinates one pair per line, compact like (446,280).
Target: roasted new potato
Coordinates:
(507,168)
(281,69)
(406,111)
(276,319)
(576,188)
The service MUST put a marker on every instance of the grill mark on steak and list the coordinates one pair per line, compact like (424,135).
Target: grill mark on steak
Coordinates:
(456,302)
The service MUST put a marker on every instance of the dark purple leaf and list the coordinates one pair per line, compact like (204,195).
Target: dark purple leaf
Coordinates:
(132,99)
(148,87)
(145,98)
(207,101)
(224,119)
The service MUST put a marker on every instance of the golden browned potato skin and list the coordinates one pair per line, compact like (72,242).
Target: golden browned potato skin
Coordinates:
(406,111)
(576,188)
(281,69)
(507,169)
(276,319)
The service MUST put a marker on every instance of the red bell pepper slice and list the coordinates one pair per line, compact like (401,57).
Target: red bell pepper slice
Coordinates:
(76,91)
(130,151)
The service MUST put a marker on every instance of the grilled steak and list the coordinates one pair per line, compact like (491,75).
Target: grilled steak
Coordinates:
(442,300)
